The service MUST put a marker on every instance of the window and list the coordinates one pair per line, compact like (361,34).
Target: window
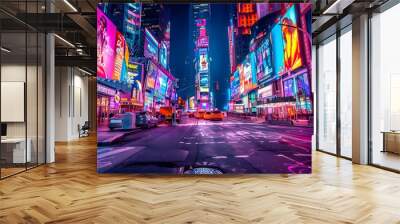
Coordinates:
(385,89)
(327,96)
(346,93)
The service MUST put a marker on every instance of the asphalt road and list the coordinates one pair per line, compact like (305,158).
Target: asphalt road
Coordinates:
(231,146)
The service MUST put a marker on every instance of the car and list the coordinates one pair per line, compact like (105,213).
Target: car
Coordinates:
(166,113)
(207,115)
(190,114)
(146,120)
(199,114)
(214,116)
(122,121)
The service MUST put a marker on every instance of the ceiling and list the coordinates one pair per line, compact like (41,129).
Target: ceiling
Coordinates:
(74,21)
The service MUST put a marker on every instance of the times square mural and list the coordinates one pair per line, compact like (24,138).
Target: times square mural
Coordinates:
(204,88)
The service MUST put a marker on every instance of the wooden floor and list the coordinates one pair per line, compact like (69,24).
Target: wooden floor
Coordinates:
(70,191)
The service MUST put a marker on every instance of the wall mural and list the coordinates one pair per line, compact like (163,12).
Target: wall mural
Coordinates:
(183,91)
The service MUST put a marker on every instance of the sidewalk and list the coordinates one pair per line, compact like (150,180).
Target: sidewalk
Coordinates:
(107,137)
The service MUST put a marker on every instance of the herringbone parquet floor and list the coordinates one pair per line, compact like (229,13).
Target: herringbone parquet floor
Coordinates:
(70,191)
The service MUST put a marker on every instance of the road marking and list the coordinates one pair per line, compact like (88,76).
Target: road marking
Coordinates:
(242,156)
(299,154)
(219,157)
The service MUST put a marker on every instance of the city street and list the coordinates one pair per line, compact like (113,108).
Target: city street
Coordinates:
(231,146)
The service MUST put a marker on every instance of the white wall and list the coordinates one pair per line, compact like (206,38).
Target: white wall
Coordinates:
(33,127)
(71,102)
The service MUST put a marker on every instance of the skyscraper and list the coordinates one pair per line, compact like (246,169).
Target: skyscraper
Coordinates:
(201,15)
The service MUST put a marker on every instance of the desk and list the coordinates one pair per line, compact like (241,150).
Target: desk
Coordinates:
(13,150)
(391,141)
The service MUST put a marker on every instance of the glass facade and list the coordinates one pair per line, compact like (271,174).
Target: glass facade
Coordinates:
(22,87)
(385,89)
(334,94)
(346,93)
(327,96)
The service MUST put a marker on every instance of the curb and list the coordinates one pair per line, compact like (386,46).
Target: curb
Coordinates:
(117,138)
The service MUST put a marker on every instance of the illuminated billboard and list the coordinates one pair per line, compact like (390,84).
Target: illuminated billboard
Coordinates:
(131,27)
(204,96)
(203,60)
(164,55)
(241,78)
(150,46)
(134,72)
(264,60)
(148,101)
(151,76)
(192,103)
(231,41)
(119,56)
(170,88)
(204,87)
(292,57)
(247,71)
(235,84)
(161,86)
(289,88)
(277,49)
(106,34)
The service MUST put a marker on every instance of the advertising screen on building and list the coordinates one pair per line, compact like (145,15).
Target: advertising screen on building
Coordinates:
(291,40)
(151,76)
(161,86)
(204,83)
(303,85)
(150,46)
(264,92)
(248,75)
(235,84)
(134,78)
(131,28)
(164,55)
(119,56)
(106,34)
(204,96)
(203,60)
(192,103)
(264,60)
(277,50)
(148,101)
(289,87)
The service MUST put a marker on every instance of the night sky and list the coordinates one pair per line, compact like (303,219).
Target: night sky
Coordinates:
(181,57)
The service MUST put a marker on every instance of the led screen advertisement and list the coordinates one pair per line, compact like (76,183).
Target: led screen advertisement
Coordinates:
(164,55)
(161,86)
(119,56)
(268,127)
(204,85)
(291,42)
(106,35)
(151,75)
(264,60)
(235,84)
(134,78)
(248,74)
(278,50)
(150,46)
(203,60)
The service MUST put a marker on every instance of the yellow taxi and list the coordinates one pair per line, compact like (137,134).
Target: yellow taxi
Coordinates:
(199,114)
(214,115)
